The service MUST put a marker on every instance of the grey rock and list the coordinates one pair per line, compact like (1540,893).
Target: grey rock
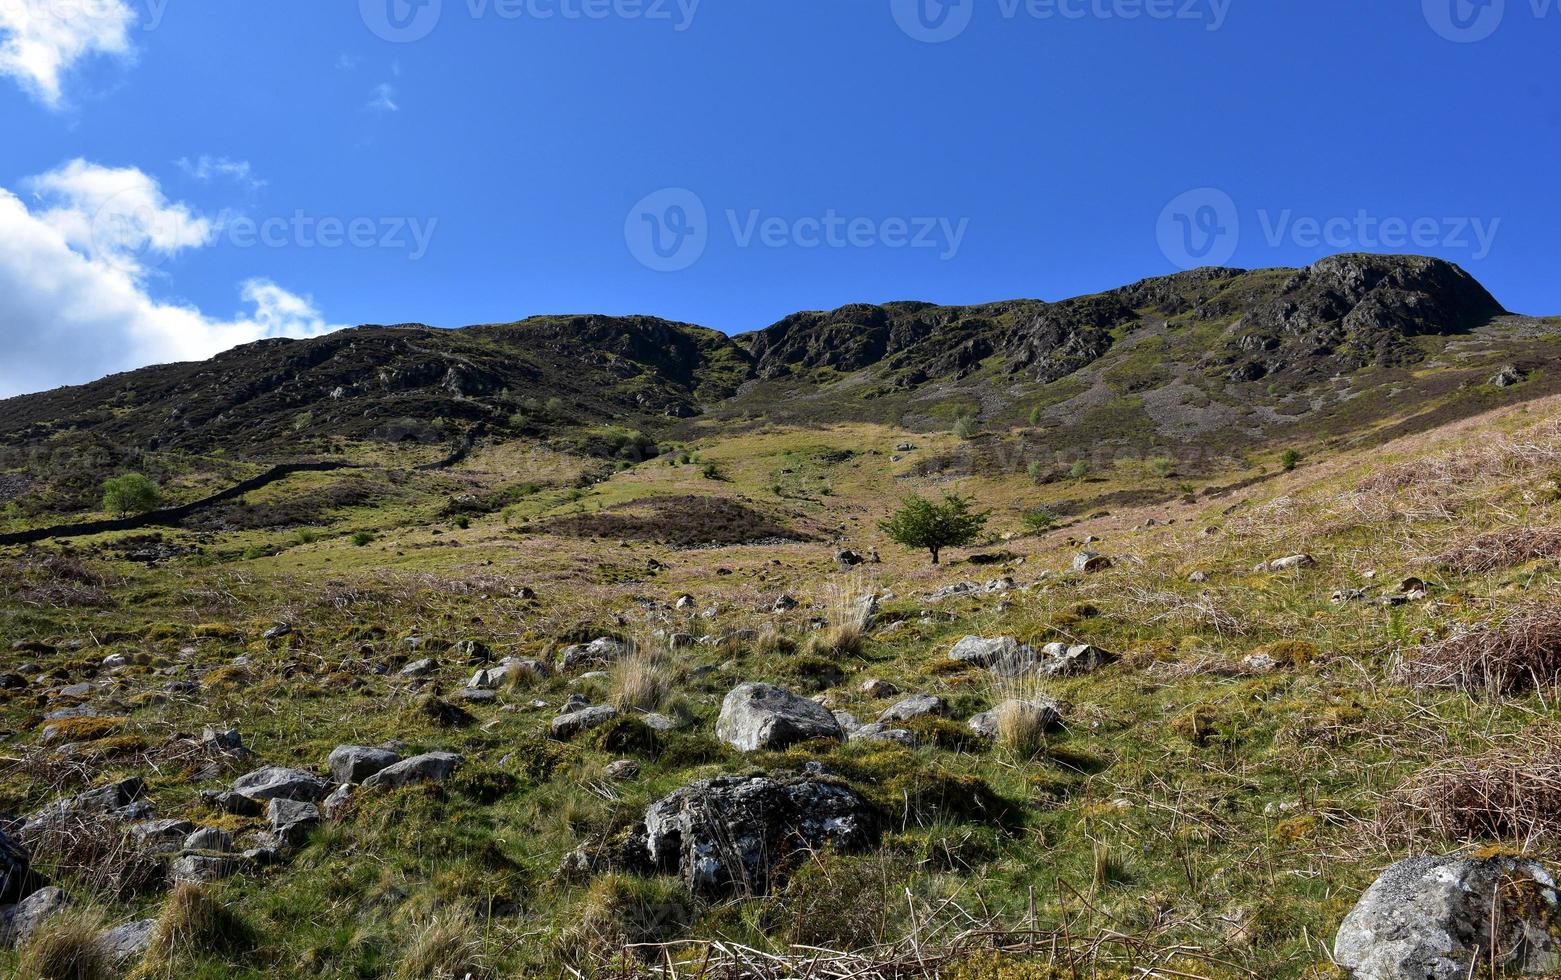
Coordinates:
(621,770)
(875,688)
(726,835)
(953,591)
(292,822)
(601,652)
(784,603)
(987,652)
(1287,564)
(277,632)
(566,727)
(111,800)
(30,913)
(916,706)
(161,835)
(197,868)
(420,668)
(355,763)
(129,941)
(15,869)
(880,732)
(1047,714)
(1431,918)
(210,839)
(275,782)
(432,767)
(222,739)
(1508,376)
(339,798)
(847,721)
(1072,660)
(1090,562)
(761,716)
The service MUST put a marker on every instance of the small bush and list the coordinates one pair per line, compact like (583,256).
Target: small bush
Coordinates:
(129,494)
(1508,795)
(362,539)
(1290,459)
(1038,520)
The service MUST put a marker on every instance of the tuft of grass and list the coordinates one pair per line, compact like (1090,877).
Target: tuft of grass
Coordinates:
(642,680)
(621,911)
(65,947)
(194,924)
(445,947)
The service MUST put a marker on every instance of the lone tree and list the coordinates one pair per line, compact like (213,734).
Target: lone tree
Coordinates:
(129,494)
(920,523)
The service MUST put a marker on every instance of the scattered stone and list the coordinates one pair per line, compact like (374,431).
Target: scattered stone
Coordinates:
(22,921)
(847,721)
(1508,376)
(988,652)
(1344,596)
(223,740)
(1199,578)
(433,767)
(1047,713)
(917,706)
(876,688)
(339,798)
(1064,660)
(15,869)
(880,732)
(1260,663)
(784,604)
(275,782)
(199,868)
(1434,918)
(129,941)
(567,726)
(601,652)
(472,695)
(117,800)
(292,822)
(473,652)
(761,716)
(725,835)
(277,632)
(846,558)
(420,668)
(658,722)
(953,591)
(1090,562)
(210,839)
(621,771)
(1292,563)
(161,835)
(684,602)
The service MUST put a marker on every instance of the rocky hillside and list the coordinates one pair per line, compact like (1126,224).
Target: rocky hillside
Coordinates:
(1215,358)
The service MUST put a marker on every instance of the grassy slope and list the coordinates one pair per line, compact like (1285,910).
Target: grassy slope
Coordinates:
(1186,802)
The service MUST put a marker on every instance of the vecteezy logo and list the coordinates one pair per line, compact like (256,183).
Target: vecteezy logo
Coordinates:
(667,231)
(125,231)
(933,21)
(1464,21)
(1201,227)
(401,21)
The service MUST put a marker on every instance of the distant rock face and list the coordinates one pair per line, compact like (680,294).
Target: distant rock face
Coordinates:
(1431,918)
(760,716)
(726,835)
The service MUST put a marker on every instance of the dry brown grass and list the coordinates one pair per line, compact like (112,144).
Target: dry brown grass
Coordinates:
(192,924)
(1511,794)
(1494,551)
(65,948)
(642,680)
(1519,653)
(95,854)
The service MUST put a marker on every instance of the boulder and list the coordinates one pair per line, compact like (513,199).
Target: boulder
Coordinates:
(210,839)
(1447,918)
(916,706)
(601,652)
(1090,562)
(291,822)
(880,732)
(277,783)
(726,835)
(158,836)
(198,868)
(23,920)
(1047,713)
(990,652)
(567,726)
(117,800)
(784,603)
(434,767)
(129,941)
(1508,376)
(1071,660)
(761,716)
(15,869)
(420,668)
(355,763)
(337,801)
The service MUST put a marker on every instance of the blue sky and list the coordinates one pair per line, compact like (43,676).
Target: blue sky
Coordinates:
(184,159)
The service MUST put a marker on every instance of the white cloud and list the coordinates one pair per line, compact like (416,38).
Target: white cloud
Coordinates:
(383,98)
(72,310)
(116,215)
(208,168)
(41,40)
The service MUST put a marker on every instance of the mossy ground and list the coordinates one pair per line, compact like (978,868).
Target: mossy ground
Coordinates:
(1189,801)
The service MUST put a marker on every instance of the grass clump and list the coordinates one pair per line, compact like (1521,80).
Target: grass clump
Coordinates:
(65,947)
(621,911)
(641,681)
(444,947)
(194,924)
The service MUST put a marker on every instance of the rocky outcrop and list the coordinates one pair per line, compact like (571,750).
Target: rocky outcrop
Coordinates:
(1445,918)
